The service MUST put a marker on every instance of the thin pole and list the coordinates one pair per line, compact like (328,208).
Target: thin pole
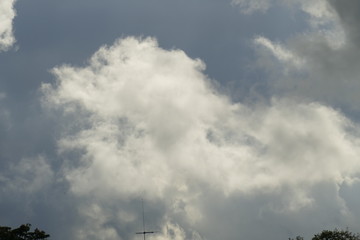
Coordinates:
(142,204)
(143,212)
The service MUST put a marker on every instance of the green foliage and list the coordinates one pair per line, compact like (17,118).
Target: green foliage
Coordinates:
(336,235)
(297,238)
(333,235)
(22,233)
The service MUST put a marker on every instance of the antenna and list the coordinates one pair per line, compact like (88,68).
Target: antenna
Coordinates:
(144,232)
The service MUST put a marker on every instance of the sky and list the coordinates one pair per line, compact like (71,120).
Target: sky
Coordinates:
(231,119)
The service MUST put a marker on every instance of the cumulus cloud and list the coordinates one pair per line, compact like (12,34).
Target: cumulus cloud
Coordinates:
(7,14)
(146,122)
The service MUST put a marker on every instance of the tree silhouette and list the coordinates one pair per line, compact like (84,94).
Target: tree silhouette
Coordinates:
(336,235)
(297,238)
(333,235)
(22,233)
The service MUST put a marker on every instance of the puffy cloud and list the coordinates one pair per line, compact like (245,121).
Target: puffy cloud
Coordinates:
(142,121)
(7,14)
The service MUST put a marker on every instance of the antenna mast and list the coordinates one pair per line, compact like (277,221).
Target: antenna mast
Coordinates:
(144,232)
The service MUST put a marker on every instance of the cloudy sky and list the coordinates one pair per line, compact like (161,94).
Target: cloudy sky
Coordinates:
(231,119)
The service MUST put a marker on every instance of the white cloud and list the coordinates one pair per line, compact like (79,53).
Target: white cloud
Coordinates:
(322,18)
(146,121)
(7,14)
(320,12)
(318,9)
(283,55)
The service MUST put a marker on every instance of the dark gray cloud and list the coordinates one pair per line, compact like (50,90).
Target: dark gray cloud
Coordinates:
(348,13)
(326,58)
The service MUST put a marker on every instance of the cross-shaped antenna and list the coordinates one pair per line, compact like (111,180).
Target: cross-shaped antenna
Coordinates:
(144,232)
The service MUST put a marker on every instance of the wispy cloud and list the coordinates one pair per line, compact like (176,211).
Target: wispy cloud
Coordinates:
(29,175)
(249,7)
(328,56)
(283,55)
(320,12)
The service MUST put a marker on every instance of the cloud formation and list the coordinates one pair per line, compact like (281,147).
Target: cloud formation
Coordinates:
(320,64)
(146,122)
(29,175)
(319,10)
(142,121)
(7,14)
(5,119)
(249,7)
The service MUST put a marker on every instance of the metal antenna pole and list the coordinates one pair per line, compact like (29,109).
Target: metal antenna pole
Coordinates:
(142,204)
(143,213)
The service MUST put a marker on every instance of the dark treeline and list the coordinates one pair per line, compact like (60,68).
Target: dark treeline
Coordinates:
(333,235)
(22,233)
